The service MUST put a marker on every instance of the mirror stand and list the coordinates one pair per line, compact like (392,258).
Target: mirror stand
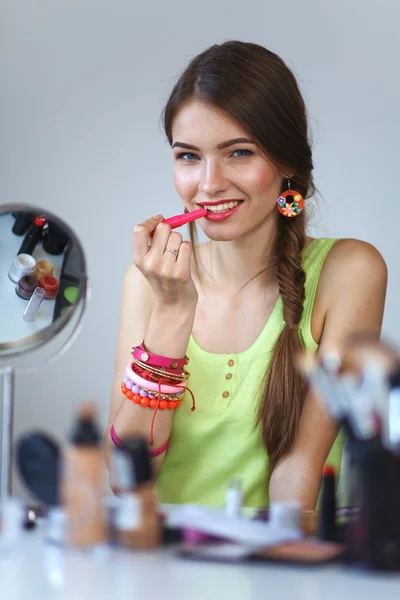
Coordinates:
(7,433)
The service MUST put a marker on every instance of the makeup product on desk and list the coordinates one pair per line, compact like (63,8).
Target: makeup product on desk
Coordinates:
(184,218)
(233,502)
(214,522)
(38,460)
(23,264)
(285,516)
(327,522)
(34,303)
(81,483)
(137,521)
(374,533)
(26,286)
(23,221)
(33,236)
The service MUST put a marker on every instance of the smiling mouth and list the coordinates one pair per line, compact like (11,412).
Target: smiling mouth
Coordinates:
(222,207)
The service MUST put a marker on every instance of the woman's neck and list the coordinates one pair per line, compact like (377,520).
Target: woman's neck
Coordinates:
(251,258)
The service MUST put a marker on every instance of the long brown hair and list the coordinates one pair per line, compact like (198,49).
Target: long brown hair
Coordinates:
(254,87)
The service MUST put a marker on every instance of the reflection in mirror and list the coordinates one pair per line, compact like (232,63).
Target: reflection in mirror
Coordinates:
(43,285)
(41,269)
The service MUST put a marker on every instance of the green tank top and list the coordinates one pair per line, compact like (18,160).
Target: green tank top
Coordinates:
(218,440)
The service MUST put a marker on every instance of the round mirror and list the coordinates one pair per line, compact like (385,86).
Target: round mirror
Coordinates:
(43,295)
(43,278)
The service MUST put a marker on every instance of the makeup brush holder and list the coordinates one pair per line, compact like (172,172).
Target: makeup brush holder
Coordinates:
(374,535)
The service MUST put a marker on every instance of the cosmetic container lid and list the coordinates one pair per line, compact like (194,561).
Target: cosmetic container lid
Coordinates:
(132,463)
(85,431)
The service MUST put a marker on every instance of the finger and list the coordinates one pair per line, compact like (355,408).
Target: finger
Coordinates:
(172,246)
(183,259)
(160,239)
(140,236)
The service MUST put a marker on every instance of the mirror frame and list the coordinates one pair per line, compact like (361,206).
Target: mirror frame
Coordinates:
(40,338)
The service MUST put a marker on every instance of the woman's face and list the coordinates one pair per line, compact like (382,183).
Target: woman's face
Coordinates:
(217,165)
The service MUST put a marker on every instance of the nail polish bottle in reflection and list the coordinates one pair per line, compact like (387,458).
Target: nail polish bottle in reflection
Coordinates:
(137,521)
(23,221)
(81,486)
(32,236)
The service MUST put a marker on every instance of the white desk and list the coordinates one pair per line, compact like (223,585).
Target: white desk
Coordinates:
(12,307)
(39,571)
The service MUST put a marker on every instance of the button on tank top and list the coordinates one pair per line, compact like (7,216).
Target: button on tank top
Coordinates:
(219,441)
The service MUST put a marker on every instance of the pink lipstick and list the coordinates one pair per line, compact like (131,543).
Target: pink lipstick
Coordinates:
(180,220)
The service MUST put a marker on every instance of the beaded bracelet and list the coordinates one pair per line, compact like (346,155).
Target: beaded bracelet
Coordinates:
(129,385)
(149,400)
(152,453)
(140,353)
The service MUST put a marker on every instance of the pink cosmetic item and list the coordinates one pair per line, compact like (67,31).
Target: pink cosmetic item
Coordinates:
(180,220)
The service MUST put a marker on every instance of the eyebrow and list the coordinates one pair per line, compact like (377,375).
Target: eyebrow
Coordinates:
(240,140)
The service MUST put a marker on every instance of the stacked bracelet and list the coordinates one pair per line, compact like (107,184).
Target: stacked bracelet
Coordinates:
(155,381)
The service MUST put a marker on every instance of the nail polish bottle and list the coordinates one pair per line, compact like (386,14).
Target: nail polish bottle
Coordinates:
(23,221)
(32,236)
(327,525)
(81,485)
(137,520)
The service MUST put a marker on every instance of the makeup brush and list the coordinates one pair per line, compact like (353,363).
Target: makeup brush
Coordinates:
(323,383)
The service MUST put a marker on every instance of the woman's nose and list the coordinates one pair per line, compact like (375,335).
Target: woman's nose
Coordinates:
(212,178)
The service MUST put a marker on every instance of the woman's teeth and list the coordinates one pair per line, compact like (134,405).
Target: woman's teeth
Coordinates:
(221,207)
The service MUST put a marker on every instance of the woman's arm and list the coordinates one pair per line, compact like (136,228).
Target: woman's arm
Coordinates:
(159,308)
(351,290)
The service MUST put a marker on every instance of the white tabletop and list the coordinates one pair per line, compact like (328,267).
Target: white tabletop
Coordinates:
(38,570)
(12,307)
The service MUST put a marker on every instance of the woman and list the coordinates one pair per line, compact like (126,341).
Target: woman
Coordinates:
(242,304)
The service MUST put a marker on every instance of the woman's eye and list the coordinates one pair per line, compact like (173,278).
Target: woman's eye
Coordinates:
(186,156)
(242,153)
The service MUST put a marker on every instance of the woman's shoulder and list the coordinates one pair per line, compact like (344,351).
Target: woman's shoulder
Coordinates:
(347,254)
(351,262)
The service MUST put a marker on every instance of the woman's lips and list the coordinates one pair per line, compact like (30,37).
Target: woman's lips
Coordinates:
(222,216)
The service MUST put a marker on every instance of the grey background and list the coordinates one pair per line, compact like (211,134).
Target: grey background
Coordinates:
(83,83)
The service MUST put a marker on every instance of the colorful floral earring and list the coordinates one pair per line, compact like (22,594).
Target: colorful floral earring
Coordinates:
(290,203)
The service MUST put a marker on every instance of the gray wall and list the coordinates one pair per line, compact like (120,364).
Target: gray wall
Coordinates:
(82,86)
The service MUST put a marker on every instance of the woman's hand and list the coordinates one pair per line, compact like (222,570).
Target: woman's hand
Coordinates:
(166,263)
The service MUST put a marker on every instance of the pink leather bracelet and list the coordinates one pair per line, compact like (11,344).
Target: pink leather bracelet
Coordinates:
(150,385)
(152,453)
(140,353)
